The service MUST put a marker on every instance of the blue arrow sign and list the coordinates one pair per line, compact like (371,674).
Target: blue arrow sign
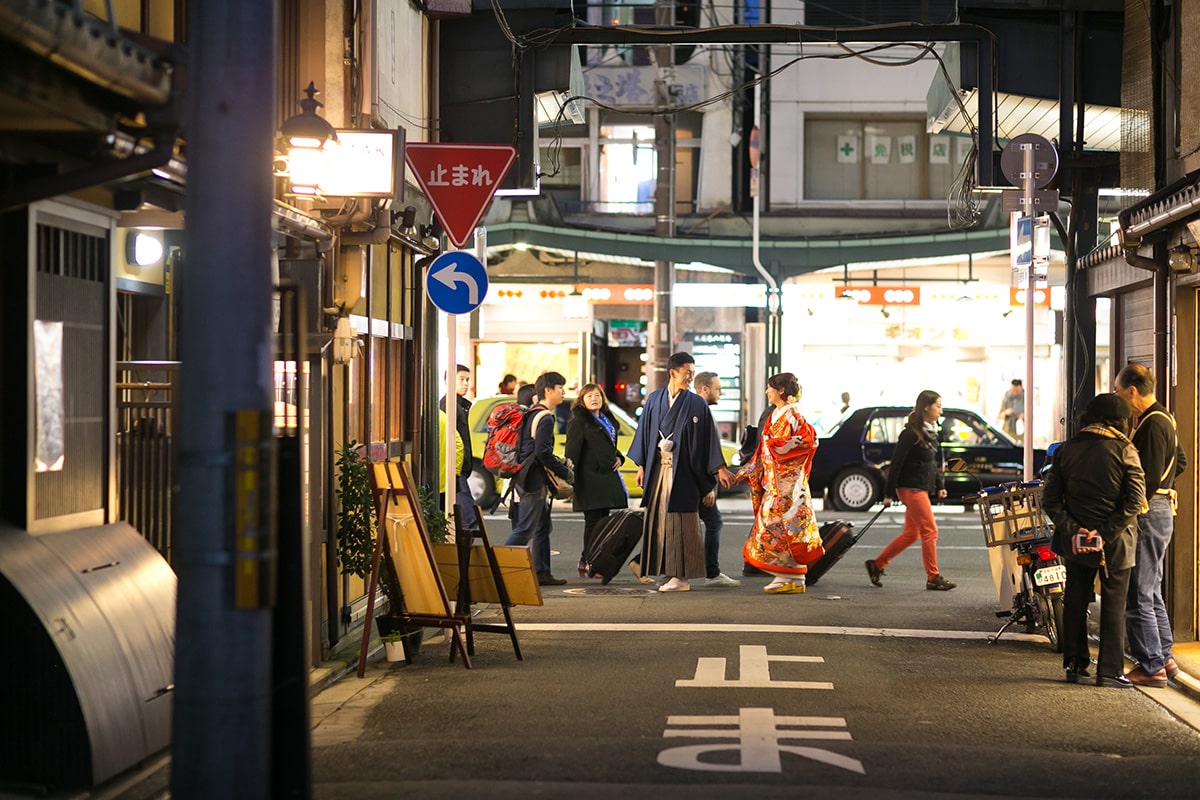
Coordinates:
(456,282)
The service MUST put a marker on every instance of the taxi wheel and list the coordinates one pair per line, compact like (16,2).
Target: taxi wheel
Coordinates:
(483,487)
(854,489)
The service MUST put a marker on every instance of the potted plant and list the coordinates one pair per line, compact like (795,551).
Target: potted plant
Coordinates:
(437,524)
(393,645)
(356,512)
(401,640)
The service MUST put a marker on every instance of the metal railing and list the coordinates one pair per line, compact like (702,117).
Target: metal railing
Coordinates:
(146,416)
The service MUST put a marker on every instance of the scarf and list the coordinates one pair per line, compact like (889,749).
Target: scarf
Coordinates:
(606,423)
(1107,432)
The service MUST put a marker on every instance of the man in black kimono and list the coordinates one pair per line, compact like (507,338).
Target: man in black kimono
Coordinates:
(678,457)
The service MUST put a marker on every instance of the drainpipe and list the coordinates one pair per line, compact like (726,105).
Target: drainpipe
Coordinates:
(383,233)
(774,297)
(1131,240)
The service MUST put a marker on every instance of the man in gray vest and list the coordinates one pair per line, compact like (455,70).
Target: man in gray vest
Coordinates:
(1148,629)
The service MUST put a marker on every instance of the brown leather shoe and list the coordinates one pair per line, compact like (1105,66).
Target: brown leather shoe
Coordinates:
(1172,668)
(1142,678)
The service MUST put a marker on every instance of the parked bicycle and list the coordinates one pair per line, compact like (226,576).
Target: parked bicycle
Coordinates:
(1012,517)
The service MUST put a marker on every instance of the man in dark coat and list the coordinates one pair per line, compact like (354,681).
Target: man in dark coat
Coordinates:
(678,457)
(1094,493)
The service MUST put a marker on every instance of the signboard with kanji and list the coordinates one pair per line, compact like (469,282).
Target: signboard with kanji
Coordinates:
(459,181)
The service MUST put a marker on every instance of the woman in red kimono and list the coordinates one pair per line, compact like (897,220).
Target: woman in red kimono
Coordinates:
(784,525)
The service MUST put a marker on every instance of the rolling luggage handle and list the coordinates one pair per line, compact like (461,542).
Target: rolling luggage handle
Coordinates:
(870,522)
(841,536)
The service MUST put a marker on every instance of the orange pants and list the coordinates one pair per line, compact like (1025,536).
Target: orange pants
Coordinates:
(918,522)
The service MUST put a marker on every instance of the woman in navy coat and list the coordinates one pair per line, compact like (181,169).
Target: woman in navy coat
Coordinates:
(592,448)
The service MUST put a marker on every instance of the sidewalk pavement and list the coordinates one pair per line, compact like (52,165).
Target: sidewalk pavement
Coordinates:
(1187,656)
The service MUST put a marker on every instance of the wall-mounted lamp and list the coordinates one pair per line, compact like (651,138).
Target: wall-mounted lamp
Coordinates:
(1182,259)
(345,341)
(407,219)
(143,249)
(304,137)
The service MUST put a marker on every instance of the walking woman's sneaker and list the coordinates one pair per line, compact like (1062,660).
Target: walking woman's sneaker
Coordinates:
(939,584)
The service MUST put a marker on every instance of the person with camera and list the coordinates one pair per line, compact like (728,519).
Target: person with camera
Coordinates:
(1094,493)
(535,449)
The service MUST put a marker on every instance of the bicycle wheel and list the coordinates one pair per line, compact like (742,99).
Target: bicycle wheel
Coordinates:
(1050,610)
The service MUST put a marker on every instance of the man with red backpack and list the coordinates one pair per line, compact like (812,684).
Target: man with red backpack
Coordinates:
(536,453)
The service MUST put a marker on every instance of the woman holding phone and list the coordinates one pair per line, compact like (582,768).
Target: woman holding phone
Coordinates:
(1094,492)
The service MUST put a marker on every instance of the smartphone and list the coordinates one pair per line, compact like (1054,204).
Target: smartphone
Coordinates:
(1085,540)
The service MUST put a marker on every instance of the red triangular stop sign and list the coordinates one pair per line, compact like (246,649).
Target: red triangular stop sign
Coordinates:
(459,181)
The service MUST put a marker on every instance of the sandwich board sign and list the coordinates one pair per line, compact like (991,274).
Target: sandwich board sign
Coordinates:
(459,181)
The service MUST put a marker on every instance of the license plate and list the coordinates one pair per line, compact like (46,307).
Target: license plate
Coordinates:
(1048,575)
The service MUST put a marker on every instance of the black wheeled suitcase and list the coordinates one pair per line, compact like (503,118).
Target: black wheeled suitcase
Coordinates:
(837,536)
(616,539)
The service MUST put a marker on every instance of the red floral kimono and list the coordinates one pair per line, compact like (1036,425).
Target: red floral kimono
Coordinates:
(778,478)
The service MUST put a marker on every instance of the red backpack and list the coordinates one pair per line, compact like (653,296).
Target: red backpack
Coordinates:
(504,432)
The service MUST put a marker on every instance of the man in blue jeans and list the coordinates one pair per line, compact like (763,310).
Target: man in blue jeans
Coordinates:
(535,449)
(1148,628)
(708,386)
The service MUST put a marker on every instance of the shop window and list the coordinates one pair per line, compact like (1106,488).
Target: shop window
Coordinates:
(870,159)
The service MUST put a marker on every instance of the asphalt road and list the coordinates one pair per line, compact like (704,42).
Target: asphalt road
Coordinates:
(848,691)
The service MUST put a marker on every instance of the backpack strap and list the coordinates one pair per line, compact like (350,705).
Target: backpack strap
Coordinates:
(512,483)
(1169,472)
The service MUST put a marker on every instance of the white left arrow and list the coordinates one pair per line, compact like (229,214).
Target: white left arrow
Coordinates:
(451,277)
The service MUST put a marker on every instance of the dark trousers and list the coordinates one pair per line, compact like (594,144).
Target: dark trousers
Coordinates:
(533,528)
(465,503)
(1114,588)
(591,518)
(711,517)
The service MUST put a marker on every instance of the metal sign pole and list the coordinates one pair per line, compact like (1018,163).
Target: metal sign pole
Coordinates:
(1031,162)
(1029,187)
(448,471)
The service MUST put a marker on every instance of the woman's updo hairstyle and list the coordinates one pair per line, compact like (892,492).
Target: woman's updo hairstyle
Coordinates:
(786,384)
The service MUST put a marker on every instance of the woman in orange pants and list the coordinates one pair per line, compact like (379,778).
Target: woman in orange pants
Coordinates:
(914,475)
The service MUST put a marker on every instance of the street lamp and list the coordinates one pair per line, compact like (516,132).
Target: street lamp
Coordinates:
(304,138)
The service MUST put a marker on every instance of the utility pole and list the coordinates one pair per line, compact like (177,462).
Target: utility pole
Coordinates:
(224,554)
(662,328)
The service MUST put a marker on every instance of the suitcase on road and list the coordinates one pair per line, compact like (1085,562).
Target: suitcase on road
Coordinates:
(837,536)
(616,539)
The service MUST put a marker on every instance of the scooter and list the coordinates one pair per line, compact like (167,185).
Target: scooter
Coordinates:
(1012,516)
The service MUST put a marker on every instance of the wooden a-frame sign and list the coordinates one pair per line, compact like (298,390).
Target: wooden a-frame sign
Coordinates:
(411,581)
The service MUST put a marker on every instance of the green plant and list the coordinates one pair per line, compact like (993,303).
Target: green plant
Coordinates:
(356,512)
(437,524)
